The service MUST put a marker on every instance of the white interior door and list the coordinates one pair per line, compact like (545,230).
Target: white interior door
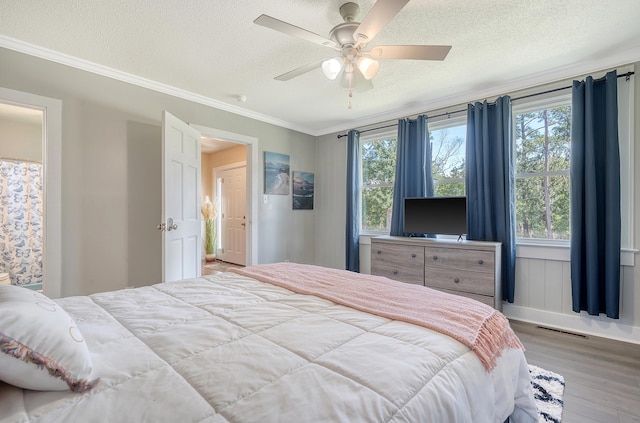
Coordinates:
(233,217)
(181,241)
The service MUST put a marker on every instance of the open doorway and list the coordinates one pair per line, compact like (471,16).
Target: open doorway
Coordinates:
(224,176)
(21,196)
(49,112)
(212,174)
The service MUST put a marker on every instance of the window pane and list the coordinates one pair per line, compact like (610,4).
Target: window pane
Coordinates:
(542,207)
(376,208)
(543,145)
(448,151)
(449,189)
(379,161)
(543,140)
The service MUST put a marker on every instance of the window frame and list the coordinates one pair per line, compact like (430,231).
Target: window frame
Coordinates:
(435,124)
(371,137)
(445,122)
(534,105)
(539,248)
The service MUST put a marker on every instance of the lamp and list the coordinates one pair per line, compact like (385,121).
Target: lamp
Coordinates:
(332,67)
(368,67)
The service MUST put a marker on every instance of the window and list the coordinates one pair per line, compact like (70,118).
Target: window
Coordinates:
(542,137)
(378,162)
(448,151)
(378,154)
(542,133)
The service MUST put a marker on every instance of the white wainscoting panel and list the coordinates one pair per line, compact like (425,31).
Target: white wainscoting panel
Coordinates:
(543,296)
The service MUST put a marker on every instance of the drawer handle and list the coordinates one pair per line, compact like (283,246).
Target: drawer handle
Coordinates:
(379,252)
(480,261)
(413,256)
(456,280)
(395,272)
(435,257)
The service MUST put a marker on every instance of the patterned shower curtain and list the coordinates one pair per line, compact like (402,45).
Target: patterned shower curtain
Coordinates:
(21,222)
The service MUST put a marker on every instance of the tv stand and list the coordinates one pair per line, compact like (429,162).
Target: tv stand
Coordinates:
(468,268)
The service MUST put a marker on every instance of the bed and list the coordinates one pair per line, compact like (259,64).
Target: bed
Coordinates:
(273,343)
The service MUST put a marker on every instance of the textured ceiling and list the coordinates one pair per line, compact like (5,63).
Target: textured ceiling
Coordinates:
(213,49)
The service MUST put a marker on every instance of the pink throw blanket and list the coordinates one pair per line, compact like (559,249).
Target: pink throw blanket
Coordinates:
(481,328)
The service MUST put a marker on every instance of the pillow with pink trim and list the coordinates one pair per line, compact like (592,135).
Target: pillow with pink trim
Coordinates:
(41,347)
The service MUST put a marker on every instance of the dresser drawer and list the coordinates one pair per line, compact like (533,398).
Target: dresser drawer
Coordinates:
(459,280)
(466,268)
(485,299)
(452,258)
(396,261)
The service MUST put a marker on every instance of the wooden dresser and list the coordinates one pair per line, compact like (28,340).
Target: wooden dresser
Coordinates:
(467,268)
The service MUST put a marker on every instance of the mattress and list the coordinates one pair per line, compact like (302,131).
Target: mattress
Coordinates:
(230,348)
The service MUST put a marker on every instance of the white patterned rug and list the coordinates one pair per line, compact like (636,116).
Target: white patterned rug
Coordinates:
(548,389)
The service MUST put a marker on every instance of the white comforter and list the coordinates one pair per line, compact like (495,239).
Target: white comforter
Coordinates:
(231,349)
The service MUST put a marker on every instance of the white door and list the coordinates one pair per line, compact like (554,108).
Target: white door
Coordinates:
(181,241)
(233,217)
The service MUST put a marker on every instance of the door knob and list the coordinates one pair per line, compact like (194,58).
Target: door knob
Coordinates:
(160,227)
(170,225)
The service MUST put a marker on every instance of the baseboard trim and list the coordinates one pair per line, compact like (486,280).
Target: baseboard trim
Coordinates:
(582,324)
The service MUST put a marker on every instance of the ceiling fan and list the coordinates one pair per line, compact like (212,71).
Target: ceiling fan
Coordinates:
(350,38)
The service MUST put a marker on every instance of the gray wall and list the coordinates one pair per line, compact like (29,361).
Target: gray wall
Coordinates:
(111,184)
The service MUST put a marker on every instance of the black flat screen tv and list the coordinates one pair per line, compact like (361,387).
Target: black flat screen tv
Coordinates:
(435,215)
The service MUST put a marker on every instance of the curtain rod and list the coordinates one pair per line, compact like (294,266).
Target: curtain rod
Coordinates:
(626,75)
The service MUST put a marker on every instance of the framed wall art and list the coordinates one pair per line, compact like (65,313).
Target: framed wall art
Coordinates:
(303,190)
(276,173)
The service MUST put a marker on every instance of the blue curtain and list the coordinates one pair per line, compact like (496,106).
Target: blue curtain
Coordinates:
(413,168)
(490,183)
(595,197)
(353,204)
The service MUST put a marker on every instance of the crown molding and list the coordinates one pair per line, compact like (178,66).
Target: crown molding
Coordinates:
(85,65)
(618,58)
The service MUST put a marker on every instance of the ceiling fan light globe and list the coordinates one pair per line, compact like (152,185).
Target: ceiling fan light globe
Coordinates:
(347,80)
(368,67)
(331,68)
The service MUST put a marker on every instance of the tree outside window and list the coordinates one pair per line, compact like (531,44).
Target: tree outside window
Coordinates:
(378,175)
(542,150)
(379,168)
(448,150)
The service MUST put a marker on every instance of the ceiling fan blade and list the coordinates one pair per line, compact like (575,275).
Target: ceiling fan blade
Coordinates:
(299,71)
(409,52)
(379,15)
(287,28)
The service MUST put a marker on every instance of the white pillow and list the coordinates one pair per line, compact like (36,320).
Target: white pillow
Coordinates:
(41,347)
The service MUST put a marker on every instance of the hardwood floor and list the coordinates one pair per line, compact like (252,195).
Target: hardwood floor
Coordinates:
(602,376)
(216,267)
